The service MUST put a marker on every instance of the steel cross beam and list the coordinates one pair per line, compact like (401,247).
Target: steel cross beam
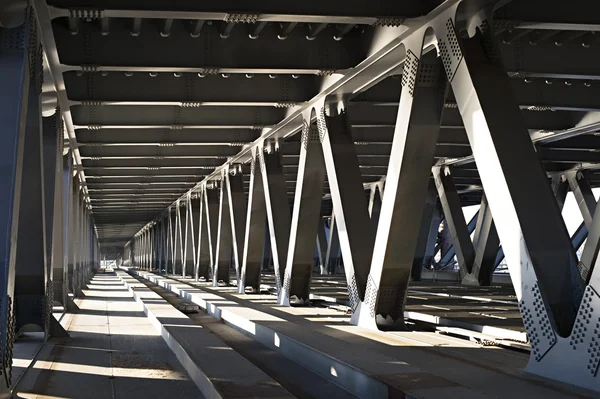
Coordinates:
(251,17)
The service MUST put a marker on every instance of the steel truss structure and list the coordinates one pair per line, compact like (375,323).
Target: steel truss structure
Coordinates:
(298,134)
(50,247)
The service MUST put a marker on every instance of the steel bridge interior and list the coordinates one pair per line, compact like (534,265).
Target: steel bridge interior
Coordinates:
(231,144)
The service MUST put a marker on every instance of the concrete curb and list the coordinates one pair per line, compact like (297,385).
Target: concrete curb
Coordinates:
(340,373)
(196,374)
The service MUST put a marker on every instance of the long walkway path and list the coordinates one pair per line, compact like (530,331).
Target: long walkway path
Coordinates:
(114,352)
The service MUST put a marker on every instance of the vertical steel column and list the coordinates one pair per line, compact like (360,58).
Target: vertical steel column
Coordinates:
(204,255)
(75,238)
(212,205)
(322,246)
(52,158)
(430,221)
(189,250)
(332,257)
(58,227)
(30,279)
(169,238)
(80,241)
(486,243)
(350,208)
(67,193)
(560,188)
(223,249)
(147,248)
(178,240)
(196,219)
(582,191)
(254,235)
(277,206)
(413,149)
(375,204)
(15,84)
(139,248)
(159,245)
(14,81)
(152,258)
(305,217)
(454,219)
(237,215)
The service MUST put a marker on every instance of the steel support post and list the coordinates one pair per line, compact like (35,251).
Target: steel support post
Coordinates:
(277,206)
(350,208)
(51,142)
(413,149)
(430,221)
(66,221)
(211,205)
(540,256)
(14,81)
(582,191)
(142,249)
(332,256)
(204,251)
(152,264)
(169,242)
(255,229)
(72,233)
(189,253)
(267,253)
(144,239)
(80,241)
(454,219)
(178,240)
(76,240)
(486,243)
(147,249)
(31,270)
(322,246)
(58,228)
(305,217)
(375,194)
(53,188)
(234,182)
(223,249)
(560,188)
(160,251)
(196,220)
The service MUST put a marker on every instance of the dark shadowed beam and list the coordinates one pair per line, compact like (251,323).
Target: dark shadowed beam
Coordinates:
(366,115)
(180,49)
(546,60)
(189,89)
(535,14)
(535,94)
(167,116)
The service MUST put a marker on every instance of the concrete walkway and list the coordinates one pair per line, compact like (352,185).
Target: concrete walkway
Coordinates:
(114,352)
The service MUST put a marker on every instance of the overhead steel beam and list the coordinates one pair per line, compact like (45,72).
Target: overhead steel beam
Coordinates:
(530,61)
(534,14)
(188,90)
(340,12)
(181,50)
